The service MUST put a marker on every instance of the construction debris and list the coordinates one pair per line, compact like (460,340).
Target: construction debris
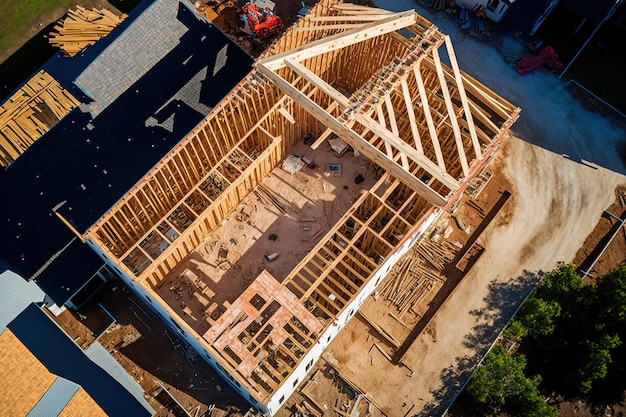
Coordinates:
(415,276)
(31,112)
(83,27)
(270,197)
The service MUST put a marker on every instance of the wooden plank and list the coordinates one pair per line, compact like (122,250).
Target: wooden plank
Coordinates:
(394,129)
(461,88)
(327,27)
(317,82)
(451,113)
(360,18)
(429,118)
(410,111)
(341,40)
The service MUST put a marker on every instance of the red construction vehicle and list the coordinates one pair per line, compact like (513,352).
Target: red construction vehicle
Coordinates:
(262,22)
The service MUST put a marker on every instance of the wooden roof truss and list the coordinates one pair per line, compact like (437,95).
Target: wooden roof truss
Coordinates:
(368,119)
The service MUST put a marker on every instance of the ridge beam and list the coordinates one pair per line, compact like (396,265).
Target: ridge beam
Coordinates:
(354,139)
(392,23)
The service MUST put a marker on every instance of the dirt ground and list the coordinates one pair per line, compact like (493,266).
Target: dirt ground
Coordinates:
(151,355)
(545,221)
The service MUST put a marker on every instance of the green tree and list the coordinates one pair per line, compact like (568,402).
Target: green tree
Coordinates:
(500,384)
(537,316)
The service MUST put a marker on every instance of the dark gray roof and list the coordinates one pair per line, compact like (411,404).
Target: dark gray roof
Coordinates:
(84,164)
(151,37)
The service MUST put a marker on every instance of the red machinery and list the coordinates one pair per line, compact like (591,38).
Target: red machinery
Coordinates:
(263,23)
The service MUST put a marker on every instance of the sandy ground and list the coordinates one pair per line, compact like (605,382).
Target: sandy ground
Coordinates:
(546,222)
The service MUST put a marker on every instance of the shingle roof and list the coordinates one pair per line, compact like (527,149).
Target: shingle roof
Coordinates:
(84,164)
(62,357)
(151,37)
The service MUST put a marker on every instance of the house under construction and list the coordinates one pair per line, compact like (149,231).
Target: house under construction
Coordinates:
(261,233)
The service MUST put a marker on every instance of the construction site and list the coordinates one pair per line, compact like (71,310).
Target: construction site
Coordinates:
(265,229)
(341,231)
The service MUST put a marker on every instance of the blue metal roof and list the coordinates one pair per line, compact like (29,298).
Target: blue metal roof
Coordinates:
(97,353)
(15,295)
(55,399)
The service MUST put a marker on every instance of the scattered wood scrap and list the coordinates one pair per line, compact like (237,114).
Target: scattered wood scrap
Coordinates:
(270,197)
(31,112)
(83,27)
(412,279)
(436,254)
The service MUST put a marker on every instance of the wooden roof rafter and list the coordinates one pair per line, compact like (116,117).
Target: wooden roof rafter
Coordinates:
(350,136)
(370,110)
(341,40)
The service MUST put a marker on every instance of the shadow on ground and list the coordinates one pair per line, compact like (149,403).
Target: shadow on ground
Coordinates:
(502,302)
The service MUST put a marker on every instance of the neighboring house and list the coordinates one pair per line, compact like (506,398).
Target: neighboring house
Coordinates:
(495,10)
(44,373)
(143,88)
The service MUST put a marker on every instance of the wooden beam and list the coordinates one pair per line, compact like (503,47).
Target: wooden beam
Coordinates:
(352,138)
(466,109)
(394,128)
(361,18)
(451,113)
(411,113)
(286,115)
(327,27)
(397,142)
(392,23)
(383,123)
(429,117)
(316,81)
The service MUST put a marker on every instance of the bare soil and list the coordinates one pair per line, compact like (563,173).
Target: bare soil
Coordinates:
(150,354)
(545,221)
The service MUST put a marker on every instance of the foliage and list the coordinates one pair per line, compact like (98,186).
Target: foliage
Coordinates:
(500,383)
(572,330)
(537,316)
(571,335)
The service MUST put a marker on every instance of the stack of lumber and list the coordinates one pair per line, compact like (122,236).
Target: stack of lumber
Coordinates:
(82,27)
(436,254)
(31,112)
(413,278)
(409,284)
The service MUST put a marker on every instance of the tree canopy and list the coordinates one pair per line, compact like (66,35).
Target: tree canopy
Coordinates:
(572,336)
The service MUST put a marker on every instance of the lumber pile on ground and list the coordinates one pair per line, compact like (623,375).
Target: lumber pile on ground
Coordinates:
(413,278)
(31,112)
(83,27)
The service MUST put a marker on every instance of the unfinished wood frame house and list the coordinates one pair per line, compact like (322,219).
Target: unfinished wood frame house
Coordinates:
(261,311)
